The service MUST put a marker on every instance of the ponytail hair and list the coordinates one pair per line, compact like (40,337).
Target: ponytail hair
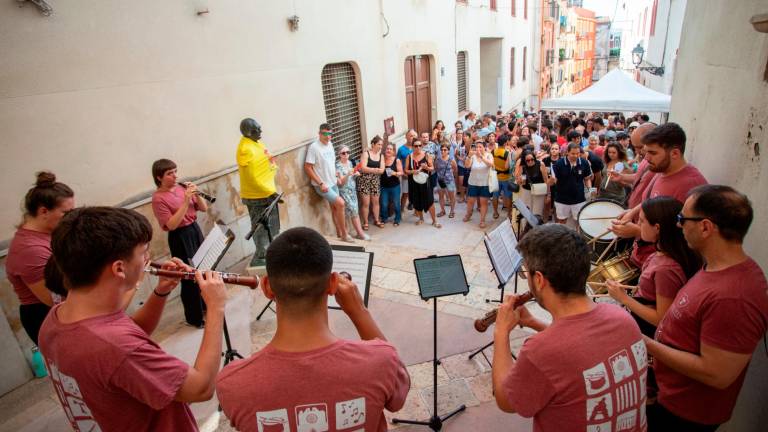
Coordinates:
(47,193)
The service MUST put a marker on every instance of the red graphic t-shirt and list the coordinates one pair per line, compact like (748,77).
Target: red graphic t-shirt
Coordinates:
(166,203)
(726,309)
(27,255)
(661,276)
(584,372)
(344,386)
(110,376)
(676,185)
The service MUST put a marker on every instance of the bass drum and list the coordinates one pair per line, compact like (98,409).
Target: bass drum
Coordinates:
(594,220)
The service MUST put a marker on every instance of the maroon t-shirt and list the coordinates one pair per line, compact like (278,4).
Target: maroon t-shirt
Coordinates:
(27,255)
(166,203)
(726,309)
(584,372)
(662,276)
(110,375)
(344,386)
(676,185)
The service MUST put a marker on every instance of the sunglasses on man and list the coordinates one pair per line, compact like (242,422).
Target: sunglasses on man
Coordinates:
(682,219)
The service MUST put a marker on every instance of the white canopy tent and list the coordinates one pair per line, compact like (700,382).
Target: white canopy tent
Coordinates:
(616,91)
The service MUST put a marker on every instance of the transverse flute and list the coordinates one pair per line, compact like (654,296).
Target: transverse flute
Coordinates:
(483,323)
(230,278)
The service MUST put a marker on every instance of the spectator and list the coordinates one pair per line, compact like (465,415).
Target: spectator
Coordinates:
(479,162)
(369,185)
(418,168)
(615,161)
(390,185)
(346,175)
(445,166)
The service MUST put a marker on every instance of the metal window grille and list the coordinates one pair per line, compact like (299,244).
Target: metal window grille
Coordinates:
(341,107)
(461,78)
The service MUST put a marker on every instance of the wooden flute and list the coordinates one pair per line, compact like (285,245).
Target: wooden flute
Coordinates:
(483,323)
(230,278)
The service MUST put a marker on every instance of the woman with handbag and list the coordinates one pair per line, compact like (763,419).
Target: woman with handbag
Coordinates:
(445,167)
(532,178)
(480,163)
(418,167)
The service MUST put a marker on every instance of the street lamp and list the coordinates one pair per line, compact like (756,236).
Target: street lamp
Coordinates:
(637,60)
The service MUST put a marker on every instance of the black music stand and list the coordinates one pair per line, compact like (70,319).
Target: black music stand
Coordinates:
(526,213)
(515,261)
(263,222)
(230,353)
(438,276)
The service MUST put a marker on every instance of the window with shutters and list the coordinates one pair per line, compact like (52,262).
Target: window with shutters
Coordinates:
(512,67)
(525,55)
(341,106)
(461,79)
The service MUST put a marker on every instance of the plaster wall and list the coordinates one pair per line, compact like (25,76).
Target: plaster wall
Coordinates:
(719,99)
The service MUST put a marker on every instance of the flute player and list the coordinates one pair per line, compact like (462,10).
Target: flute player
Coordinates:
(108,373)
(175,208)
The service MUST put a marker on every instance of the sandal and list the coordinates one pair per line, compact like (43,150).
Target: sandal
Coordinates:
(451,215)
(436,225)
(482,224)
(365,227)
(441,214)
(495,215)
(420,221)
(467,218)
(379,224)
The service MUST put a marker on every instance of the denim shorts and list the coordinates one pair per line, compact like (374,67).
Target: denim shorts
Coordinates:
(479,191)
(505,188)
(331,195)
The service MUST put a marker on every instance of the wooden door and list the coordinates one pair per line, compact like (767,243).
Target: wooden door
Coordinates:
(418,93)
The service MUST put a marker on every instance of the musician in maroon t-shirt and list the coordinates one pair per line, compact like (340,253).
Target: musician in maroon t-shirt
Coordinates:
(671,176)
(705,341)
(107,372)
(573,374)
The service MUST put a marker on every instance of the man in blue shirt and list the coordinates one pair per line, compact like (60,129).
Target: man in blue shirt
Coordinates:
(571,174)
(402,154)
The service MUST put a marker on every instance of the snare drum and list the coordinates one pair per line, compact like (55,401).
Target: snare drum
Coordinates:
(594,219)
(620,268)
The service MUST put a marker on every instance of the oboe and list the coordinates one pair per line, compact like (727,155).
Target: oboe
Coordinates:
(483,323)
(230,278)
(210,198)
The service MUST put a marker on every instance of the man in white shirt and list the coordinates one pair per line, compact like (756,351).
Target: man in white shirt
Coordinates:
(320,166)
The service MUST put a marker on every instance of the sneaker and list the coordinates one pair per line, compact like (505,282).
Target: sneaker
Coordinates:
(348,239)
(365,237)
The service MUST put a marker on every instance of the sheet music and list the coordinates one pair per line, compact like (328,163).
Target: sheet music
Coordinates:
(502,249)
(358,265)
(526,212)
(440,276)
(211,249)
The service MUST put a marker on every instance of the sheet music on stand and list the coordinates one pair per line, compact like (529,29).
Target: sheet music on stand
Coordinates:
(358,263)
(501,246)
(213,247)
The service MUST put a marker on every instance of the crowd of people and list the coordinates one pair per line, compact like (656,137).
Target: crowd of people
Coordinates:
(673,358)
(481,162)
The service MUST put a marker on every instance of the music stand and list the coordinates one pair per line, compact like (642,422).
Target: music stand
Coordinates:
(263,222)
(501,245)
(438,276)
(523,209)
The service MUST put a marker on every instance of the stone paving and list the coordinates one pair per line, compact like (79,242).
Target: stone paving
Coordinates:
(394,298)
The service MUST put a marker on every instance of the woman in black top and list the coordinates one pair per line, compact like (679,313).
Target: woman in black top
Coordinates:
(369,185)
(549,202)
(532,171)
(419,164)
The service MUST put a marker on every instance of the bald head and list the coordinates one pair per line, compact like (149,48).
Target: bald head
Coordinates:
(639,133)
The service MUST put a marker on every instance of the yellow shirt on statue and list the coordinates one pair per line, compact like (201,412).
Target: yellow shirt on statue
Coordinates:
(257,171)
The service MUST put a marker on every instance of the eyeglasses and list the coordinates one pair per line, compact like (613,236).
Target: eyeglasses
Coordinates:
(529,160)
(417,145)
(682,219)
(344,152)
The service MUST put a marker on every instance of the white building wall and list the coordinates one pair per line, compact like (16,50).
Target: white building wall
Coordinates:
(719,98)
(100,89)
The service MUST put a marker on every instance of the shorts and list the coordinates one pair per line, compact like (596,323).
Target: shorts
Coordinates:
(479,191)
(450,187)
(505,188)
(331,196)
(404,185)
(463,172)
(563,211)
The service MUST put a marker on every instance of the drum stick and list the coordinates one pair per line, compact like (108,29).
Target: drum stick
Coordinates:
(603,284)
(599,218)
(610,245)
(598,295)
(598,237)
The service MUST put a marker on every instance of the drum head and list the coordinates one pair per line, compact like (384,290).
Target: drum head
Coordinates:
(595,218)
(420,177)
